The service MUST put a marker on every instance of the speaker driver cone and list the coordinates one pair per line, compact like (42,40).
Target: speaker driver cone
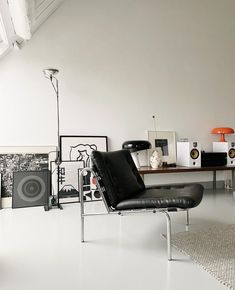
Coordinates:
(31,188)
(231,153)
(194,154)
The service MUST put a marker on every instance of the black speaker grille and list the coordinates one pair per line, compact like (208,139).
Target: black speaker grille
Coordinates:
(30,188)
(231,153)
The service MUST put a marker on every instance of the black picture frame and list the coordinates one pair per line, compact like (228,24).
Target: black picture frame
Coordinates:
(69,146)
(75,151)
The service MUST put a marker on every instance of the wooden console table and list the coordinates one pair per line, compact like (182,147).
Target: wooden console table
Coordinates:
(149,170)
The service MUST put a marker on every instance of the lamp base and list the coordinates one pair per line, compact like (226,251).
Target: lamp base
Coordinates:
(222,138)
(53,203)
(135,157)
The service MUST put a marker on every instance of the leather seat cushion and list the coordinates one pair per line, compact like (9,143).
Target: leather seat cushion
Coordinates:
(185,196)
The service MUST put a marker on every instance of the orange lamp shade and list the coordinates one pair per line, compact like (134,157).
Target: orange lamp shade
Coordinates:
(222,131)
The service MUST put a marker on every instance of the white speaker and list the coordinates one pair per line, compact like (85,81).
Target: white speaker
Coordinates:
(229,148)
(188,154)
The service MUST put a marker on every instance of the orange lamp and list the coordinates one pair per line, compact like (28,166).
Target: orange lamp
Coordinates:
(222,131)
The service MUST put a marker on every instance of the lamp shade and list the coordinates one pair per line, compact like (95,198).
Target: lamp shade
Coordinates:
(49,72)
(222,131)
(136,145)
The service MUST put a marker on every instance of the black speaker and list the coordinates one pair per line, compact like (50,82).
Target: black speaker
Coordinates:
(31,188)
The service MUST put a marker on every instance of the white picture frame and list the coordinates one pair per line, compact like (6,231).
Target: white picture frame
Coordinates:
(166,141)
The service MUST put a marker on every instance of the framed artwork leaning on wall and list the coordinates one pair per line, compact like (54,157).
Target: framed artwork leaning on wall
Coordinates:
(75,155)
(166,141)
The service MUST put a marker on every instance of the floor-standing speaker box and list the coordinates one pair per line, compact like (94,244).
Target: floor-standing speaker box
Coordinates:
(30,188)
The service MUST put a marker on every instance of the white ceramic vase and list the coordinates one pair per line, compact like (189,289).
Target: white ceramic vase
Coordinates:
(156,158)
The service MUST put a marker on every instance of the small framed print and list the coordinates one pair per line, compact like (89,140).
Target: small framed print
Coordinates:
(69,183)
(166,141)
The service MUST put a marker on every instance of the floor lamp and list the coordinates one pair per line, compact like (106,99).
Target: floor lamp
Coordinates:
(50,73)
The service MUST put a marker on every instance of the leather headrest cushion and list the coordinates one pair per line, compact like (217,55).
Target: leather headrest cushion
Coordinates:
(119,174)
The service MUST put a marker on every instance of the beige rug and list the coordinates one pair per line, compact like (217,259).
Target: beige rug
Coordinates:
(213,248)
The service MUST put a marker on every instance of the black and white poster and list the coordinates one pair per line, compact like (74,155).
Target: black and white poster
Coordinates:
(22,159)
(75,155)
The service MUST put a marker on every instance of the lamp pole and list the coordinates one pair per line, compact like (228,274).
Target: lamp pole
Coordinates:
(50,74)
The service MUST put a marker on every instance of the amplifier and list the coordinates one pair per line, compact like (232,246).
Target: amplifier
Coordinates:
(213,159)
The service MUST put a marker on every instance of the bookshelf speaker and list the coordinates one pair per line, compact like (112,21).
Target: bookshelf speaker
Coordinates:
(189,154)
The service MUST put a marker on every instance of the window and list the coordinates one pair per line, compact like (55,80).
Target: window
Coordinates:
(6,28)
(19,19)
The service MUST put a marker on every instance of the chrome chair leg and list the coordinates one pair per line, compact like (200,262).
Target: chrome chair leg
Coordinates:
(168,237)
(82,229)
(187,220)
(81,204)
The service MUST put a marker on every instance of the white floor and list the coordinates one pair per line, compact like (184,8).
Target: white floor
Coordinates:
(42,250)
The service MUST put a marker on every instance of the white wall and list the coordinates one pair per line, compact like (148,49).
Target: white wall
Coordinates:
(121,62)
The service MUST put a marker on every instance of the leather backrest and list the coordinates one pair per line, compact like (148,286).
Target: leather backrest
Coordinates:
(119,175)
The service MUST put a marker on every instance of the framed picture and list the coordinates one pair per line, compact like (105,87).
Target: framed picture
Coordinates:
(75,155)
(80,147)
(69,183)
(22,158)
(166,141)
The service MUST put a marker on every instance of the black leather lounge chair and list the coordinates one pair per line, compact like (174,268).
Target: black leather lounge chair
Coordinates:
(123,190)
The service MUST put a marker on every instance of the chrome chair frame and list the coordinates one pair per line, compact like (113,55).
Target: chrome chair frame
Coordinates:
(124,212)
